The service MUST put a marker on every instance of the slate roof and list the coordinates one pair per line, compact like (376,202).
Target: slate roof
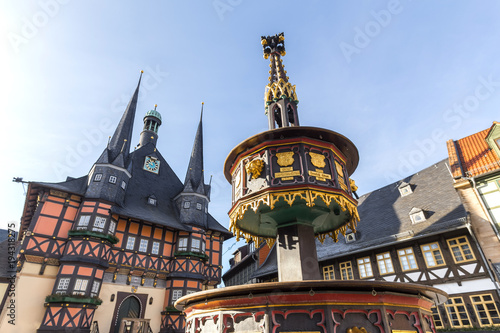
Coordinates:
(71,185)
(164,186)
(194,181)
(385,219)
(471,156)
(118,148)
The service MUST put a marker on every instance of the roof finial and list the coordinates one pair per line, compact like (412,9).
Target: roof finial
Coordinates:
(280,97)
(156,106)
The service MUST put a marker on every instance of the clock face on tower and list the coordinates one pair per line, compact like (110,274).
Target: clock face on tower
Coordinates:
(151,164)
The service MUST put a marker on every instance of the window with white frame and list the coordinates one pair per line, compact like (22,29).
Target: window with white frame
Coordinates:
(384,262)
(143,245)
(80,287)
(124,185)
(195,245)
(112,179)
(98,177)
(152,201)
(62,286)
(130,243)
(189,292)
(156,248)
(199,206)
(83,222)
(99,223)
(95,289)
(112,227)
(187,204)
(183,244)
(176,294)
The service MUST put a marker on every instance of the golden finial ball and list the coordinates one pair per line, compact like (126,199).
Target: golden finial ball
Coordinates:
(142,71)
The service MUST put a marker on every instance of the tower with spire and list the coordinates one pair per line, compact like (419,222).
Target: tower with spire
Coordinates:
(124,241)
(193,201)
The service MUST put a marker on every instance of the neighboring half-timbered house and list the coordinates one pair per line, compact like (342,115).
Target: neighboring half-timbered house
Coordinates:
(414,230)
(475,166)
(126,240)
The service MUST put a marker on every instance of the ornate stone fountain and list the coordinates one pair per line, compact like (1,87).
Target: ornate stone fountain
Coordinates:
(291,185)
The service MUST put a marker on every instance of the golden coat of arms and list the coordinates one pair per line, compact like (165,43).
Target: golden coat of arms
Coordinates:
(318,160)
(285,159)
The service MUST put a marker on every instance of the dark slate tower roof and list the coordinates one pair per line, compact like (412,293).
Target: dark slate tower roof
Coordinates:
(195,176)
(134,185)
(118,149)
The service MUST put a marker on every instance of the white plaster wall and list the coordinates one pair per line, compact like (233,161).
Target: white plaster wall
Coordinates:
(478,285)
(31,290)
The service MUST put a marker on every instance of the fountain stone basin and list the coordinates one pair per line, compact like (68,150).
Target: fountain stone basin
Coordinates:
(313,306)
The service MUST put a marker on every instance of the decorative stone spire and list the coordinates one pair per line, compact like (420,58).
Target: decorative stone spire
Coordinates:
(118,148)
(194,176)
(280,97)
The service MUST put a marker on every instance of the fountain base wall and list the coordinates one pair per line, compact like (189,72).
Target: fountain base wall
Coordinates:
(313,306)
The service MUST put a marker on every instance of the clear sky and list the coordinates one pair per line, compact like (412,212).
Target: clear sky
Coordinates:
(398,78)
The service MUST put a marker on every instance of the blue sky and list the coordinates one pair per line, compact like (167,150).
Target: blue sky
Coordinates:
(398,78)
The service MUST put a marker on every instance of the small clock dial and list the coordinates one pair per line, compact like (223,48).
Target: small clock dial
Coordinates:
(151,164)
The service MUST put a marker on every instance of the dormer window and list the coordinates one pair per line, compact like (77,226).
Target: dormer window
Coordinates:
(112,179)
(350,237)
(187,204)
(152,201)
(198,206)
(417,215)
(124,185)
(98,177)
(405,189)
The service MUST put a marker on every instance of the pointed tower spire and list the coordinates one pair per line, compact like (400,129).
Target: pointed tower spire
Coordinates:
(120,141)
(194,176)
(280,97)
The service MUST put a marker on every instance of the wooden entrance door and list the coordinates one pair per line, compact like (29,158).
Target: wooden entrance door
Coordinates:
(130,308)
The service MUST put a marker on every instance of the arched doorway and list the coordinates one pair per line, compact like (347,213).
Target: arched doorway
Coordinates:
(129,308)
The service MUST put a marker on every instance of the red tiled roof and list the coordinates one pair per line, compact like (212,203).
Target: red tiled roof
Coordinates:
(471,156)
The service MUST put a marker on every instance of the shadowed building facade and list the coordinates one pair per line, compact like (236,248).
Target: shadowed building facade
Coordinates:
(415,230)
(126,240)
(475,166)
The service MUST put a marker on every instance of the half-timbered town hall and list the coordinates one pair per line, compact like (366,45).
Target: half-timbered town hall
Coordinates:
(124,241)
